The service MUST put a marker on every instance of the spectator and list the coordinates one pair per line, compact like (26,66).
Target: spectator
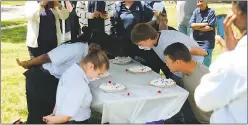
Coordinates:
(224,89)
(203,23)
(184,13)
(96,14)
(43,28)
(128,14)
(158,7)
(73,19)
(178,59)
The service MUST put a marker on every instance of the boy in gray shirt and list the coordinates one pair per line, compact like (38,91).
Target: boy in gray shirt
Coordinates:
(178,59)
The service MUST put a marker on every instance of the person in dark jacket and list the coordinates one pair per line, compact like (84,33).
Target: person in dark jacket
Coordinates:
(74,21)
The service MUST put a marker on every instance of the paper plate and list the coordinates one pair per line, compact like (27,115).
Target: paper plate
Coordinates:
(121,60)
(111,90)
(139,69)
(163,85)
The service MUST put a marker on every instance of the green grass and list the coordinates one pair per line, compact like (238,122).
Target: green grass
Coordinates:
(13,102)
(13,3)
(19,21)
(15,35)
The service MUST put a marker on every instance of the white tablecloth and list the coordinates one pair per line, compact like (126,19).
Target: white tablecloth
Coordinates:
(144,104)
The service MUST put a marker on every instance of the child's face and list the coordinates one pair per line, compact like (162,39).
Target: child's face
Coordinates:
(92,73)
(174,66)
(146,44)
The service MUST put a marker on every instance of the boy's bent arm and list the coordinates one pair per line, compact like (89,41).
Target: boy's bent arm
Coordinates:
(197,51)
(34,62)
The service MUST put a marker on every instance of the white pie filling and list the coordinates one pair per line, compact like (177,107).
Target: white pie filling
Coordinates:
(111,87)
(162,82)
(140,69)
(121,60)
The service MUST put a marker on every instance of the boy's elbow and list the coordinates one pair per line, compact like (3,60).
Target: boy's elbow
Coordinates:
(67,118)
(64,119)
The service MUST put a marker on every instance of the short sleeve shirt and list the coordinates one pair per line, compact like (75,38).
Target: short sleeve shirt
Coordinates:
(74,97)
(190,83)
(206,39)
(168,37)
(63,56)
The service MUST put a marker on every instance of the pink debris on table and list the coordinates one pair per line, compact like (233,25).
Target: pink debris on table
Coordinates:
(159,91)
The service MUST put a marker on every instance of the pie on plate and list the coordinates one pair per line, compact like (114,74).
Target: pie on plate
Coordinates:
(139,69)
(94,79)
(112,87)
(121,60)
(162,82)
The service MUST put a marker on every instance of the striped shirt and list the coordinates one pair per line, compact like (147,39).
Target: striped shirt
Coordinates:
(84,14)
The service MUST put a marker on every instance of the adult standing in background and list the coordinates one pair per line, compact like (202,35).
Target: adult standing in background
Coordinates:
(128,14)
(203,23)
(158,8)
(73,19)
(224,89)
(184,12)
(96,14)
(43,28)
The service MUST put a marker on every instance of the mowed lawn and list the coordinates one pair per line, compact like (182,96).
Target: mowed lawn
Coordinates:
(13,3)
(13,102)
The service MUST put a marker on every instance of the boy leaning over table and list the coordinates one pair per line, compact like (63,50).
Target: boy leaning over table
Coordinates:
(178,59)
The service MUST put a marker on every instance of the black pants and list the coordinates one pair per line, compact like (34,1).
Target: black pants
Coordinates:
(43,48)
(186,112)
(74,24)
(41,90)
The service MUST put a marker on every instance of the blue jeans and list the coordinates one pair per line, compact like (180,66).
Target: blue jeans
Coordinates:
(208,59)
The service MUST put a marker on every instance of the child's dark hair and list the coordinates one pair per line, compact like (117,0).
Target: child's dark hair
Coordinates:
(97,57)
(178,51)
(143,31)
